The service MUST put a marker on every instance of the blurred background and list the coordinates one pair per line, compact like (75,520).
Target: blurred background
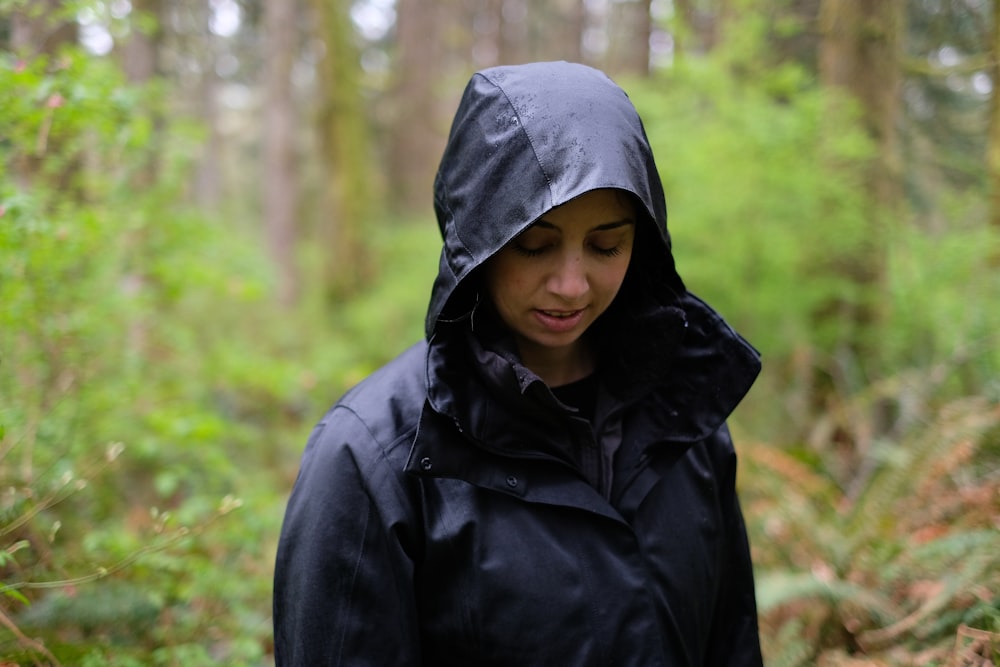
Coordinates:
(215,216)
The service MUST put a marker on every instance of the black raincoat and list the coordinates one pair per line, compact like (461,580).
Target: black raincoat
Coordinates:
(450,510)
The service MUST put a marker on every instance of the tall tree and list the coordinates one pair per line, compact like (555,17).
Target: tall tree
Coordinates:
(140,52)
(630,26)
(348,185)
(563,38)
(487,32)
(860,54)
(139,55)
(41,27)
(515,27)
(946,108)
(699,26)
(417,138)
(993,143)
(36,30)
(203,56)
(280,186)
(543,30)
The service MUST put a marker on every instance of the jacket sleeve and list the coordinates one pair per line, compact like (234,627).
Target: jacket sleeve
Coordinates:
(343,592)
(735,640)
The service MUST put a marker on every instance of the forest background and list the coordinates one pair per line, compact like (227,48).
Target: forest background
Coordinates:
(215,216)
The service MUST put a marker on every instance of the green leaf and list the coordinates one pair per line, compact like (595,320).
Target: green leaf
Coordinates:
(14,594)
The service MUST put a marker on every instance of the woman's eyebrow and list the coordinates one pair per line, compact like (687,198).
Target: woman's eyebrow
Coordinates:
(613,225)
(599,228)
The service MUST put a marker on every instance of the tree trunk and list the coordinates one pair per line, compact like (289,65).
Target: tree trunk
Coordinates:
(697,27)
(139,56)
(993,143)
(566,40)
(630,27)
(41,29)
(417,138)
(348,189)
(140,52)
(279,188)
(515,44)
(208,179)
(860,53)
(487,23)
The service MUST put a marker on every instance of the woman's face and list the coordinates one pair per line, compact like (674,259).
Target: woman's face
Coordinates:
(552,281)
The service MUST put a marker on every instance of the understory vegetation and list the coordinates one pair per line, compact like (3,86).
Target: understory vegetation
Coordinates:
(155,397)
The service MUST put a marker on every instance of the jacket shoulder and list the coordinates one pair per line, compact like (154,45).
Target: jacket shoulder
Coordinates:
(384,408)
(402,378)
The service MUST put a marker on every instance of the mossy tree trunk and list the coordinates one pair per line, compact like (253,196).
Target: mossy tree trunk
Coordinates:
(40,30)
(993,143)
(697,27)
(419,127)
(631,25)
(860,54)
(348,185)
(139,56)
(280,186)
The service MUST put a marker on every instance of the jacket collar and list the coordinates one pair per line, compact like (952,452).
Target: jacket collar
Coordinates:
(488,397)
(688,367)
(712,371)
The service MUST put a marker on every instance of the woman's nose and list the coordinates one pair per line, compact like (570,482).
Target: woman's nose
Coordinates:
(569,279)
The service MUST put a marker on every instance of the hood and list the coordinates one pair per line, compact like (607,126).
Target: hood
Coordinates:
(528,138)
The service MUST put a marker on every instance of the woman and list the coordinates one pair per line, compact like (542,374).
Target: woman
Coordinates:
(548,479)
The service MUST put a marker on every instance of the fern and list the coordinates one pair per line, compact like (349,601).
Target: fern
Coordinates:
(896,557)
(958,425)
(776,589)
(789,647)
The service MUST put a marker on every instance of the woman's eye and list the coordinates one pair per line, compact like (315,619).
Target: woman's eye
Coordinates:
(608,245)
(613,251)
(529,251)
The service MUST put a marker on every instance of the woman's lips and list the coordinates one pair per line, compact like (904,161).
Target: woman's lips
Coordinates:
(558,321)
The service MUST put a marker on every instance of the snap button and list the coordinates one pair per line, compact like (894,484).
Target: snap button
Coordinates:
(425,463)
(512,481)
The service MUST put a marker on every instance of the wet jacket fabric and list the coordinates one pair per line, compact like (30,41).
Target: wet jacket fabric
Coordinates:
(450,510)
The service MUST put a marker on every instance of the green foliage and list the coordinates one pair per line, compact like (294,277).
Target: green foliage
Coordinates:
(396,303)
(154,399)
(898,555)
(118,304)
(764,174)
(149,385)
(764,194)
(941,287)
